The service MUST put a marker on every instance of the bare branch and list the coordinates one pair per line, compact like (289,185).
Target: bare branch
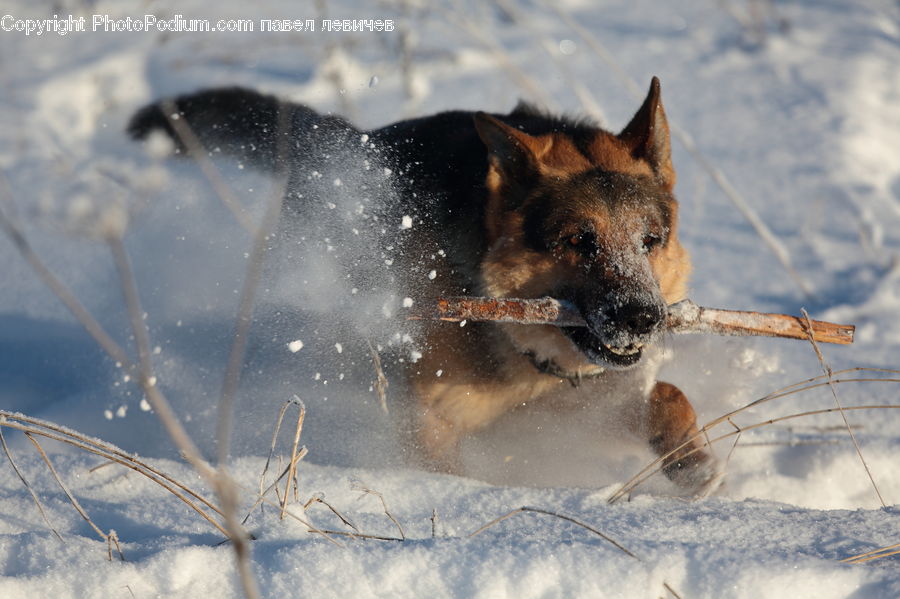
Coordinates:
(148,381)
(683,317)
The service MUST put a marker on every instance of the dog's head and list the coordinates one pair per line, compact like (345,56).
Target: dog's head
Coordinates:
(587,216)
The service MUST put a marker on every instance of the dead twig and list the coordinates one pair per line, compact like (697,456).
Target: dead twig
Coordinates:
(683,317)
(656,465)
(195,150)
(381,382)
(319,498)
(25,482)
(828,373)
(873,555)
(225,487)
(538,510)
(359,535)
(293,401)
(110,537)
(807,385)
(358,486)
(110,452)
(296,456)
(147,378)
(81,314)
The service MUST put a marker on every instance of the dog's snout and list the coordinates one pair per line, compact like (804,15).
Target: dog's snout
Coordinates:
(638,318)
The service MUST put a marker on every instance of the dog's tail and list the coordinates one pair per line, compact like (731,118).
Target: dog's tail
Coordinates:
(239,122)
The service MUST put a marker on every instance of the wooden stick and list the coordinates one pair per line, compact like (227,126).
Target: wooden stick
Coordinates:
(683,317)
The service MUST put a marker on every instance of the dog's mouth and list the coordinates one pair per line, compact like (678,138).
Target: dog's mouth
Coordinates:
(605,353)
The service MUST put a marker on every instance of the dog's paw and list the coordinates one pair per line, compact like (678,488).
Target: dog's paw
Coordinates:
(699,474)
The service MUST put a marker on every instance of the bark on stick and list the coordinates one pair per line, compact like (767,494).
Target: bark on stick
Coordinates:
(683,317)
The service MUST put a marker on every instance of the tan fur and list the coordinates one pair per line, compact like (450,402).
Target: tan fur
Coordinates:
(672,268)
(672,429)
(483,370)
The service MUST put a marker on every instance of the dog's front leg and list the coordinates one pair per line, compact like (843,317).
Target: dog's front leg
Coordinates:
(463,384)
(453,407)
(670,426)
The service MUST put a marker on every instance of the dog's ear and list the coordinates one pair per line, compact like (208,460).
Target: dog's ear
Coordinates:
(648,136)
(513,154)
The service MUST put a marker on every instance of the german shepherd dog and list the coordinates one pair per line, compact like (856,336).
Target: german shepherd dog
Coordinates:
(521,205)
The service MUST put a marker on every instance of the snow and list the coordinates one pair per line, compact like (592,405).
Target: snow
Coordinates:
(802,119)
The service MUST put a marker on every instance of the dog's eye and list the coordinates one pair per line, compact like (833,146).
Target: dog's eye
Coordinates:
(649,242)
(584,243)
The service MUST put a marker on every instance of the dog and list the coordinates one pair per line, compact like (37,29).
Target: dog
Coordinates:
(525,205)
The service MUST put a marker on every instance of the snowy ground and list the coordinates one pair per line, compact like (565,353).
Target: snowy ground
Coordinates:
(802,117)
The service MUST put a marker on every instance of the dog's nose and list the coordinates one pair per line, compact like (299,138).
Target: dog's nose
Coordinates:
(638,318)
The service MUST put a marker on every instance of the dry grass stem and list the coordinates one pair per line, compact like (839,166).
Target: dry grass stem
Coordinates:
(275,431)
(297,454)
(100,467)
(227,492)
(381,382)
(108,537)
(147,378)
(537,510)
(248,296)
(196,151)
(318,498)
(113,454)
(81,314)
(112,540)
(261,498)
(873,555)
(828,372)
(359,535)
(273,486)
(737,439)
(25,482)
(222,482)
(669,588)
(810,384)
(143,371)
(290,471)
(290,514)
(358,486)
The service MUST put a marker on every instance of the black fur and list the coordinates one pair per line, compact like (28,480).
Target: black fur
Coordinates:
(439,162)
